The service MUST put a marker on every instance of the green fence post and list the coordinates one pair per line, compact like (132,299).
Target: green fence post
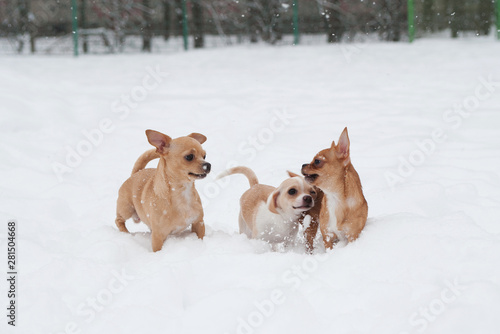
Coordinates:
(185,31)
(83,24)
(74,14)
(295,6)
(411,20)
(498,19)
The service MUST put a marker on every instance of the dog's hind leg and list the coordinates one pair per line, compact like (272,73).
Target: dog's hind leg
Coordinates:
(124,211)
(120,222)
(243,226)
(199,229)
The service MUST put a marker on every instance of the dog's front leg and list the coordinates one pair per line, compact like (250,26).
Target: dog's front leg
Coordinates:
(310,234)
(157,240)
(330,239)
(199,229)
(159,234)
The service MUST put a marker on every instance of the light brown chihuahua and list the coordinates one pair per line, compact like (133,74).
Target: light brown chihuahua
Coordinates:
(343,209)
(165,198)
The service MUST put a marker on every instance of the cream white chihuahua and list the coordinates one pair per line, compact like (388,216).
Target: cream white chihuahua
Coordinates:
(273,214)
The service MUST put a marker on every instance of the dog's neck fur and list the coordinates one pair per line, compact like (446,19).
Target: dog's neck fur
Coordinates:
(346,184)
(163,184)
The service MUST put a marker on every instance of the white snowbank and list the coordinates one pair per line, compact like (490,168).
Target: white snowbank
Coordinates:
(426,262)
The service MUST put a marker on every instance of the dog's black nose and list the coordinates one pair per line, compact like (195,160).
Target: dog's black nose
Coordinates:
(206,167)
(305,165)
(307,199)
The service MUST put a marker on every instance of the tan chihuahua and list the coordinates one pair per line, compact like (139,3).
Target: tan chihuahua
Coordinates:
(165,198)
(272,214)
(344,209)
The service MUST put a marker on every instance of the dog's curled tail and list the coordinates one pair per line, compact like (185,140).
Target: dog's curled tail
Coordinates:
(252,178)
(144,159)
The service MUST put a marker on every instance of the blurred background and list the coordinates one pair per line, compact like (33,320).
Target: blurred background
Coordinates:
(132,26)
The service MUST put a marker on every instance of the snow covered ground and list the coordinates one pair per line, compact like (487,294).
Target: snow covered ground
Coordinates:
(424,126)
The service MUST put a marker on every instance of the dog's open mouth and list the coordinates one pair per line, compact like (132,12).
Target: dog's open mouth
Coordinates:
(198,176)
(310,177)
(303,207)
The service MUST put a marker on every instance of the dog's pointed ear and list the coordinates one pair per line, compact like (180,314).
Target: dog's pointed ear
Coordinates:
(199,137)
(342,148)
(273,203)
(158,140)
(291,174)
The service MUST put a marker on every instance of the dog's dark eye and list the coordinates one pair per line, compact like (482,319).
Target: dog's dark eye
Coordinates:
(313,192)
(292,191)
(189,157)
(204,157)
(317,162)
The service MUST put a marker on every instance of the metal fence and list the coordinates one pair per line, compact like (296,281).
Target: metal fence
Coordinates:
(111,26)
